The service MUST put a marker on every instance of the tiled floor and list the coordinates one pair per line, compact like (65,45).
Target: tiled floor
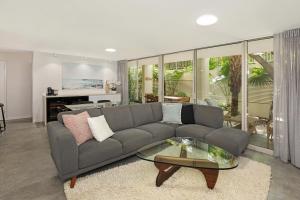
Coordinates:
(27,171)
(261,140)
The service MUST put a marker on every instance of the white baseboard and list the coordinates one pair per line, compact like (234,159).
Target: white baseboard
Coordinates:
(19,117)
(261,150)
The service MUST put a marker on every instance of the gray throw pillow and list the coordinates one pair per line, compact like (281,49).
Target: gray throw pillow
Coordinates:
(172,113)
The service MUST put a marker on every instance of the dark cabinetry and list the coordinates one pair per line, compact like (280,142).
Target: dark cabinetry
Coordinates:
(55,105)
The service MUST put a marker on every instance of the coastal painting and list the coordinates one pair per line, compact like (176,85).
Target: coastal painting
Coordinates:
(70,84)
(82,76)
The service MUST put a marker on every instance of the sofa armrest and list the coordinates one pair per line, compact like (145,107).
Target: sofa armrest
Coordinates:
(64,149)
(208,116)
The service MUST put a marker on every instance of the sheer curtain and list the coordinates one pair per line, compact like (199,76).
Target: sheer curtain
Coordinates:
(286,110)
(123,79)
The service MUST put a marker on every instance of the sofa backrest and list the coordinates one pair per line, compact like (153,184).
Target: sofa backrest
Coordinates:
(141,114)
(124,117)
(93,112)
(208,116)
(118,118)
(130,116)
(157,111)
(146,113)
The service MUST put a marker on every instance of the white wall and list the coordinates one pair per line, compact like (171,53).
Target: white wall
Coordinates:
(3,85)
(19,84)
(47,72)
(89,71)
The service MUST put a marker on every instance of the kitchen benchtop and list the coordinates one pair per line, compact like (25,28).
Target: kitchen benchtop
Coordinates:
(79,93)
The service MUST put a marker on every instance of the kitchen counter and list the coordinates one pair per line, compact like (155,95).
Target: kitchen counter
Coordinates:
(79,93)
(66,97)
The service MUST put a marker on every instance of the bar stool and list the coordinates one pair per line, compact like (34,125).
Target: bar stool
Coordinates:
(3,118)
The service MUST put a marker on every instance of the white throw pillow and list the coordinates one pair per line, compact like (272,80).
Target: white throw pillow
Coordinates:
(172,113)
(100,128)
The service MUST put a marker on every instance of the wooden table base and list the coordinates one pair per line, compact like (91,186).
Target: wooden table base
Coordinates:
(167,170)
(211,177)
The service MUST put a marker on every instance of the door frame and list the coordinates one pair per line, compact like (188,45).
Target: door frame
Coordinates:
(5,88)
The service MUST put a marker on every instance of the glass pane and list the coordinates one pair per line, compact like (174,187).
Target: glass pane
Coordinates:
(260,92)
(151,83)
(178,77)
(148,80)
(140,87)
(219,73)
(132,81)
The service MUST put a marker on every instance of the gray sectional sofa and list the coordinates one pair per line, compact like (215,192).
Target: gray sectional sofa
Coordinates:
(136,126)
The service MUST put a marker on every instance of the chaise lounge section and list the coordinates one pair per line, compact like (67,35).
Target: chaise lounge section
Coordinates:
(136,126)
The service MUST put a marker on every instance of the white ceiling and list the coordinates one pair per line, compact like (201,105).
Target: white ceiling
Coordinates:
(137,28)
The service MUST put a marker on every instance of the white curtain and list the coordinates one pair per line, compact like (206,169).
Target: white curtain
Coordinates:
(123,79)
(286,110)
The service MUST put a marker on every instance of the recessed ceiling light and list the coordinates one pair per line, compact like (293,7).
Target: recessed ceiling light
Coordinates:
(206,20)
(110,50)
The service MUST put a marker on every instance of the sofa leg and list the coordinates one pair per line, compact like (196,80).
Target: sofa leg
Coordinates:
(73,181)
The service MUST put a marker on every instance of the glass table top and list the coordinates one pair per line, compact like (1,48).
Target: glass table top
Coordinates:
(189,152)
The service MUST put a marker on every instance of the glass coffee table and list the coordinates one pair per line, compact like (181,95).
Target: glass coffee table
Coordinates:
(172,154)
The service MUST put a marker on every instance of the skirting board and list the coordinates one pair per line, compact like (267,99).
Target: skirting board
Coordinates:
(260,149)
(25,119)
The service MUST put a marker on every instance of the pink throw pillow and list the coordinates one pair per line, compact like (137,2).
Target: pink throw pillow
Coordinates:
(79,127)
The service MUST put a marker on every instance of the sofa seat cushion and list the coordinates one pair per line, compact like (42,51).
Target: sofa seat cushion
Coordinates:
(93,152)
(170,124)
(132,139)
(193,130)
(159,131)
(232,140)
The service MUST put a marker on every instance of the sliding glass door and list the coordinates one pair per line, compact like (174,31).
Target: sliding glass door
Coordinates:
(143,80)
(178,77)
(260,92)
(219,81)
(149,79)
(132,81)
(237,78)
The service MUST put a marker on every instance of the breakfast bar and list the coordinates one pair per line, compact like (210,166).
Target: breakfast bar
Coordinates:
(64,101)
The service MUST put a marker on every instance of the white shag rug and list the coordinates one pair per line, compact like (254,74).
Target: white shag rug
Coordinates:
(136,181)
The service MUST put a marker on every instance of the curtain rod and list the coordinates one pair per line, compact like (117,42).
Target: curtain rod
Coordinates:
(208,47)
